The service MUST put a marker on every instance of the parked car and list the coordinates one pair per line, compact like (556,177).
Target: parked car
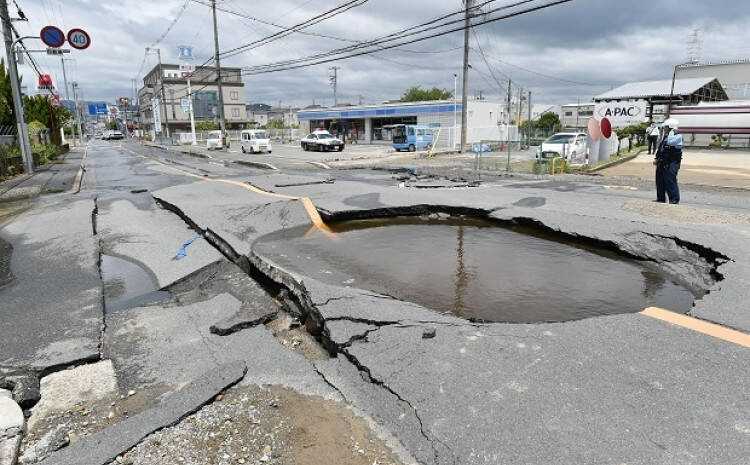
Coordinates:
(255,141)
(568,145)
(213,140)
(321,141)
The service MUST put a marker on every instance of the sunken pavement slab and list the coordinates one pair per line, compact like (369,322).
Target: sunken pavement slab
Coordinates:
(51,312)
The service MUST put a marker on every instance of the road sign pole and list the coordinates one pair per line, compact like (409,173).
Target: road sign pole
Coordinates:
(190,110)
(23,134)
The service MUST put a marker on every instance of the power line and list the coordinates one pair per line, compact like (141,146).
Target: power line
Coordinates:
(271,23)
(426,26)
(342,54)
(163,36)
(487,64)
(303,25)
(569,81)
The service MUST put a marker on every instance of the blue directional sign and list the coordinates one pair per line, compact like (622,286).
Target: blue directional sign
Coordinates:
(52,36)
(97,108)
(185,52)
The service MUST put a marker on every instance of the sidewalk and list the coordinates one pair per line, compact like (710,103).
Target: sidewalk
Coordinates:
(719,168)
(58,176)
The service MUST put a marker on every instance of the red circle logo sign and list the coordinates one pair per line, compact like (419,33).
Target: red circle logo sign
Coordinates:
(78,38)
(606,128)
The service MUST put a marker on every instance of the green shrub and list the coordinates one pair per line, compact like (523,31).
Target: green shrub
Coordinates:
(717,141)
(11,162)
(44,153)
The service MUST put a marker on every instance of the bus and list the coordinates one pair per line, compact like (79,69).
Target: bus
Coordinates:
(411,137)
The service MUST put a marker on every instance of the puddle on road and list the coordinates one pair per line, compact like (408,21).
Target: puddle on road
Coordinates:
(127,285)
(477,270)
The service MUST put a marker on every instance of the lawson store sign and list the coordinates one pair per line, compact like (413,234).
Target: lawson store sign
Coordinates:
(621,114)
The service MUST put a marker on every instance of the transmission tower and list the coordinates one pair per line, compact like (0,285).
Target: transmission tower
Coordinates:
(695,46)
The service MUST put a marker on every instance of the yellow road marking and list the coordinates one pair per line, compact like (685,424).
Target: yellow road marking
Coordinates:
(703,327)
(312,212)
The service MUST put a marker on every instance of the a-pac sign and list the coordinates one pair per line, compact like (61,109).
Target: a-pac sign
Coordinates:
(621,114)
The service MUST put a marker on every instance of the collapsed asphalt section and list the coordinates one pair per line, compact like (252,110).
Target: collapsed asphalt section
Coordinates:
(457,392)
(103,447)
(54,258)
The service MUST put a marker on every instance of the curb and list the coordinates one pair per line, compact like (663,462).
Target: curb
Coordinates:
(619,161)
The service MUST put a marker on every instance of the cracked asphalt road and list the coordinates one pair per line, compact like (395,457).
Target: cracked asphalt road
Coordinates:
(432,388)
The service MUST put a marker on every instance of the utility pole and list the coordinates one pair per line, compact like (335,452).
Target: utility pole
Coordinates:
(464,95)
(161,90)
(334,80)
(528,124)
(136,99)
(507,127)
(217,63)
(193,141)
(23,133)
(455,112)
(518,119)
(65,77)
(77,112)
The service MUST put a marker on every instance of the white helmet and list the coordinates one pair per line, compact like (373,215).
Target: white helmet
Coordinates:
(672,123)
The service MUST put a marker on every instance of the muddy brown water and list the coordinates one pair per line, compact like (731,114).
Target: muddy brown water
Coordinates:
(127,284)
(476,269)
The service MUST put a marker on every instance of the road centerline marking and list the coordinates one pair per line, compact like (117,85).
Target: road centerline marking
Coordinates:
(700,326)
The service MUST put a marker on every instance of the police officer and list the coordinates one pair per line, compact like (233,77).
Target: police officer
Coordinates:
(668,159)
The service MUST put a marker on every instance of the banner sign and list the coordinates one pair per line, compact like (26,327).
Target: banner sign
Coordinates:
(621,114)
(157,114)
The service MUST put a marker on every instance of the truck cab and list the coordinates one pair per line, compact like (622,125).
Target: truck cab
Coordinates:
(411,137)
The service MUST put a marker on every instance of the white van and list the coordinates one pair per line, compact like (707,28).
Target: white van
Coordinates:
(255,141)
(213,140)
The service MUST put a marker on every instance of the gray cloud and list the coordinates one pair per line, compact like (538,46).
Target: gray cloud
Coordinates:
(603,42)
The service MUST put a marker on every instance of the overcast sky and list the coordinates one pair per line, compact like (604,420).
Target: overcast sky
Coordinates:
(589,45)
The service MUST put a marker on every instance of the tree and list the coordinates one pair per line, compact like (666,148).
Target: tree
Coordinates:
(40,108)
(206,126)
(275,124)
(548,121)
(112,125)
(418,94)
(7,113)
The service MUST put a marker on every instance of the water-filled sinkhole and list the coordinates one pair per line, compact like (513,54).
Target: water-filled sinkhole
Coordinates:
(476,269)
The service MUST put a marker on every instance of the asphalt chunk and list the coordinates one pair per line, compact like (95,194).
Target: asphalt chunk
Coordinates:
(104,446)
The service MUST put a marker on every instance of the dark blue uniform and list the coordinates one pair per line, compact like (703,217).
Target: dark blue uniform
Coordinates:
(668,160)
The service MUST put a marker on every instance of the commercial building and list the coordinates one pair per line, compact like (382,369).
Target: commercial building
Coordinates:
(636,102)
(205,97)
(576,115)
(734,76)
(370,123)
